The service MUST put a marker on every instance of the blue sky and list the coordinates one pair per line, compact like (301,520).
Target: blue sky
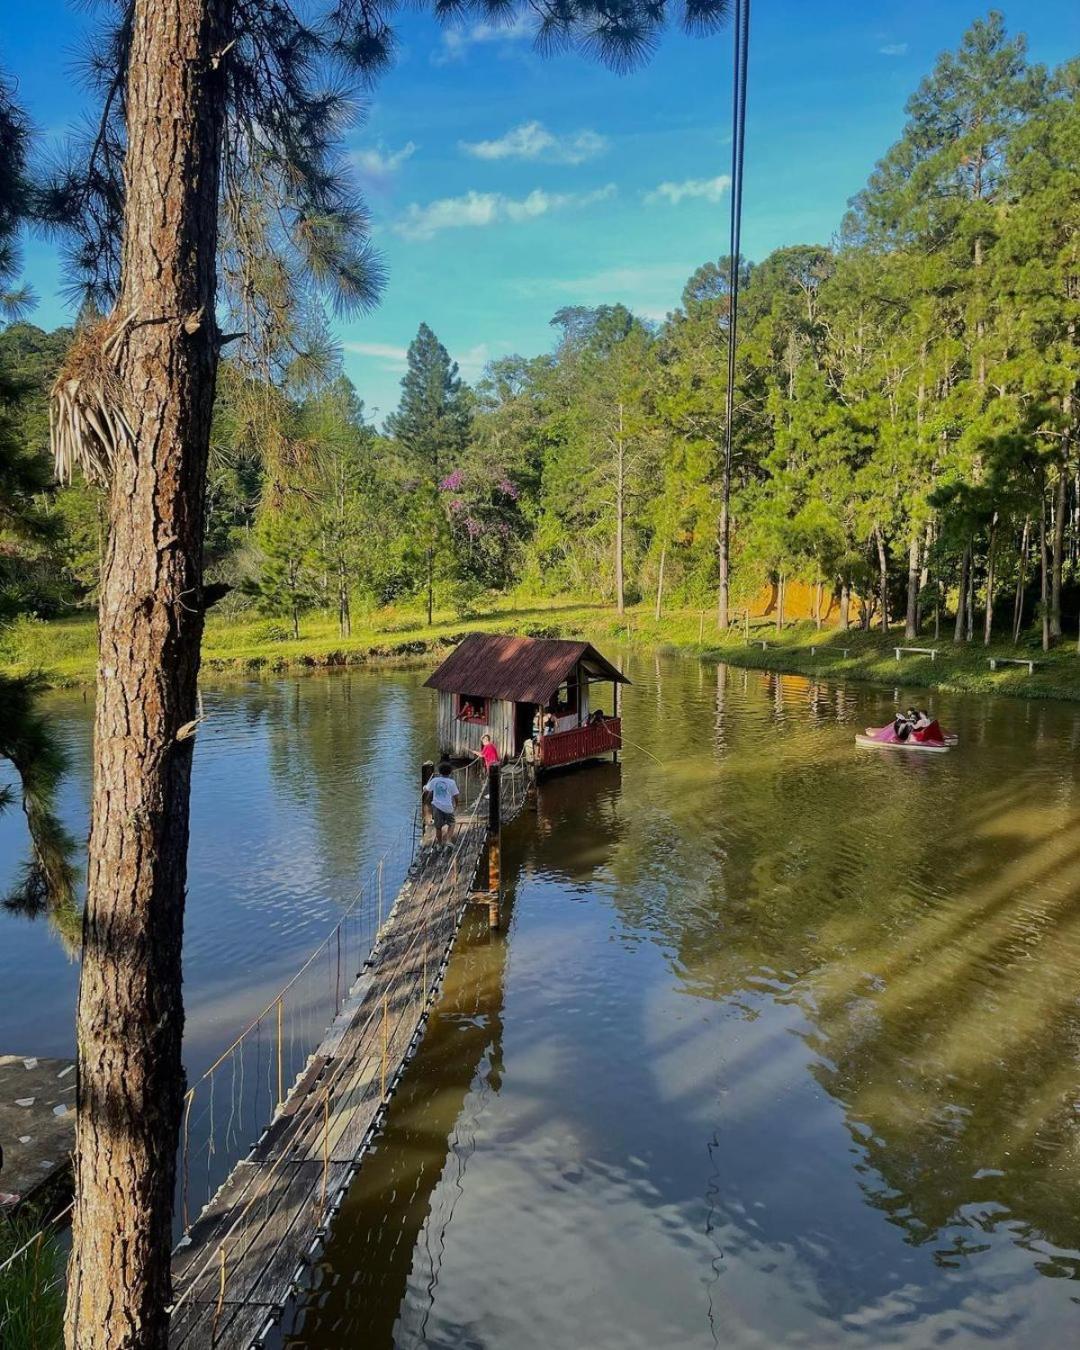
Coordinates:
(503,185)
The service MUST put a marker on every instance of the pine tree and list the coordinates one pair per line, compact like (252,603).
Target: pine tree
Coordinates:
(208,106)
(432,427)
(27,740)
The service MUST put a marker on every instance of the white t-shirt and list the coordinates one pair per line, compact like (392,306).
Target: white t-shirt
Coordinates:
(444,792)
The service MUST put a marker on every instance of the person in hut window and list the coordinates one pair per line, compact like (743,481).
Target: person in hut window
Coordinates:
(549,723)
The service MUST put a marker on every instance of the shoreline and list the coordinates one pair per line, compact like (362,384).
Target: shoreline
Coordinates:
(237,650)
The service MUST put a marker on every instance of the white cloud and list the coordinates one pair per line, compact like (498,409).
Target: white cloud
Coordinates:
(532,140)
(710,189)
(383,350)
(457,41)
(472,362)
(477,209)
(894,49)
(380,163)
(393,360)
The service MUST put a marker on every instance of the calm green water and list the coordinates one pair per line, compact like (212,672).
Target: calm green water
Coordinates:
(780,1049)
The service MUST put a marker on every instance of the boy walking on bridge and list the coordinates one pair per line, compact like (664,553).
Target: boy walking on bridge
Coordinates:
(444,792)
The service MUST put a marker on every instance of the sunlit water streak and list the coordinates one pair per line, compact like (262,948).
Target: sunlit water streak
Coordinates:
(781,1048)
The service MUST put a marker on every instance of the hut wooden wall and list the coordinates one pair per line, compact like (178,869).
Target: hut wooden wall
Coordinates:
(460,738)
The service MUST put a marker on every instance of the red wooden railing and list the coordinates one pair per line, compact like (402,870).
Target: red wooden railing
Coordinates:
(567,747)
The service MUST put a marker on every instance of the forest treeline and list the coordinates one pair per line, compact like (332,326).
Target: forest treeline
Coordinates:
(904,436)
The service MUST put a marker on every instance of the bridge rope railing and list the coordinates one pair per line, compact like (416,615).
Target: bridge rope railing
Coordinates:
(400,998)
(272,1051)
(282,1037)
(236,1097)
(220,1119)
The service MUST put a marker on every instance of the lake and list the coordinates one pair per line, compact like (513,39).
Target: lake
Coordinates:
(780,1046)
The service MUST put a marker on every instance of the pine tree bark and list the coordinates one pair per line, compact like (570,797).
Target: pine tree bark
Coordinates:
(1057,565)
(924,572)
(620,492)
(845,606)
(344,608)
(130,1006)
(988,626)
(962,594)
(660,584)
(1044,587)
(1021,578)
(724,545)
(911,620)
(883,578)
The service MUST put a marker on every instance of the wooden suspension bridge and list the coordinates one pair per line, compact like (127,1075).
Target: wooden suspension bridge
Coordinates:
(240,1262)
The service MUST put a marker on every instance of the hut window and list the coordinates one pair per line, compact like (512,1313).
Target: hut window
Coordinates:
(472,708)
(565,702)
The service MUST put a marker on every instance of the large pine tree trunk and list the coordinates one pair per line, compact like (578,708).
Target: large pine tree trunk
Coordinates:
(620,506)
(344,608)
(883,579)
(724,546)
(130,1009)
(660,584)
(1021,578)
(845,605)
(911,620)
(962,594)
(988,626)
(1044,587)
(1061,503)
(924,572)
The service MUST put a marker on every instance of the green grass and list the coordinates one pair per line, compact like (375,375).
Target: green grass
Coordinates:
(246,644)
(31,1288)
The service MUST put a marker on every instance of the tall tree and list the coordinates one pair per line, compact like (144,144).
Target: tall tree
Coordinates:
(432,427)
(202,99)
(27,741)
(344,490)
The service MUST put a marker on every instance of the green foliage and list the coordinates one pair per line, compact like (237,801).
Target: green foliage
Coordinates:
(905,411)
(286,583)
(31,1288)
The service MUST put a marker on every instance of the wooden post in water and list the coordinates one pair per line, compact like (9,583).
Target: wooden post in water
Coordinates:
(615,704)
(494,843)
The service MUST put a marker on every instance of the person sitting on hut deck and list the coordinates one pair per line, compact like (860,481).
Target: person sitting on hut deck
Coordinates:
(444,792)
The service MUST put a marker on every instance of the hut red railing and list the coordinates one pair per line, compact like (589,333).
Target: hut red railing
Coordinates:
(567,747)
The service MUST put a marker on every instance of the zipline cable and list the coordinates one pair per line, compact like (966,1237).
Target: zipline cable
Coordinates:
(741,46)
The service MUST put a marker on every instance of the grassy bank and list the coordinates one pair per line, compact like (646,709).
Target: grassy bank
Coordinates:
(246,645)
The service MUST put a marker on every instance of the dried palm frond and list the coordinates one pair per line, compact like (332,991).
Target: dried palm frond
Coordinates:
(88,426)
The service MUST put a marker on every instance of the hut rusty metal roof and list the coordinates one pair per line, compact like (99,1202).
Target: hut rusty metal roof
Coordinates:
(520,669)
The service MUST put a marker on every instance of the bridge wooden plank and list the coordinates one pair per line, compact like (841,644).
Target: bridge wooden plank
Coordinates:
(270,1213)
(238,1327)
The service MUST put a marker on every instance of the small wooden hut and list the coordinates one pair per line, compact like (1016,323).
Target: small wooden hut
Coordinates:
(520,689)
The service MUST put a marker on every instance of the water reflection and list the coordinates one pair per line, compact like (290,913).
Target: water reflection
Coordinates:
(781,1048)
(790,1045)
